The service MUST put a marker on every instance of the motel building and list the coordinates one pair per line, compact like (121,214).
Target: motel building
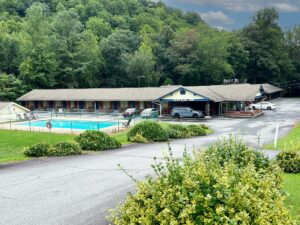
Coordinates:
(213,100)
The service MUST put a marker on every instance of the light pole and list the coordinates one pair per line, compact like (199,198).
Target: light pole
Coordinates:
(139,77)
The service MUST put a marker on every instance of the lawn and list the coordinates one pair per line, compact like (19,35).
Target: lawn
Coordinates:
(288,142)
(291,186)
(122,137)
(12,143)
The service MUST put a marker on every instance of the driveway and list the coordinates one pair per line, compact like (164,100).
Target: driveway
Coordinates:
(79,190)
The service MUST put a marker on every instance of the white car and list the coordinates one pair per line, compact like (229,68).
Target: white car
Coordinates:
(263,105)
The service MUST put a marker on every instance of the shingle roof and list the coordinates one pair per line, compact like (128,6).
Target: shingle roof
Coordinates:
(269,88)
(98,94)
(236,92)
(217,93)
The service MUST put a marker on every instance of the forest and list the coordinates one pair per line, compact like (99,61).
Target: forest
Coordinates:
(130,43)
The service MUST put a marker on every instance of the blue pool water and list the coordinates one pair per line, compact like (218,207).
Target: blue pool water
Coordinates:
(74,124)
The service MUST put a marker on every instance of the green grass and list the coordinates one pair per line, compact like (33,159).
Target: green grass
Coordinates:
(291,186)
(122,137)
(12,143)
(288,142)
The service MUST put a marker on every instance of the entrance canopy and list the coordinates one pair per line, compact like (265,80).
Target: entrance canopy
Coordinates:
(182,95)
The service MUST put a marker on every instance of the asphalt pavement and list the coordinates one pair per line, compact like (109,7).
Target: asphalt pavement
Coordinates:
(79,190)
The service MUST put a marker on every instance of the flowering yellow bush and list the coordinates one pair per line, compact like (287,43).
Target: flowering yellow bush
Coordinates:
(201,190)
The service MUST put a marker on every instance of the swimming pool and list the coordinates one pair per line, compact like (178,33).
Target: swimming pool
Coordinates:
(68,124)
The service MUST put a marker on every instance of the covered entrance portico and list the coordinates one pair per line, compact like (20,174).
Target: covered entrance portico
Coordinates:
(186,98)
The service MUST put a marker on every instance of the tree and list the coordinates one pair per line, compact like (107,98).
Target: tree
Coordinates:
(99,27)
(269,60)
(67,30)
(38,66)
(88,61)
(238,57)
(140,68)
(9,49)
(113,47)
(10,87)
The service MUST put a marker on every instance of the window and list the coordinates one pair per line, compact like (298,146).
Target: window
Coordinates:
(182,92)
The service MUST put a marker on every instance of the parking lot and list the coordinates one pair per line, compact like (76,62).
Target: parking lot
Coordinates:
(79,190)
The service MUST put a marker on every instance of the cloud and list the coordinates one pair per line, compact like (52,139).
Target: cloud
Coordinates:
(284,7)
(220,28)
(248,5)
(216,17)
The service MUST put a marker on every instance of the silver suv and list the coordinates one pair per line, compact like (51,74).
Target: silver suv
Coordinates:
(180,112)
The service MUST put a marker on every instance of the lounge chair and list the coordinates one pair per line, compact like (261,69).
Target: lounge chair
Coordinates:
(127,123)
(32,116)
(19,117)
(26,117)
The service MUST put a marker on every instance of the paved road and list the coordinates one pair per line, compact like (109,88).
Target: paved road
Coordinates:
(79,190)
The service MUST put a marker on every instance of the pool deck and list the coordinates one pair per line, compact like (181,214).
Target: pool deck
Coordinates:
(112,129)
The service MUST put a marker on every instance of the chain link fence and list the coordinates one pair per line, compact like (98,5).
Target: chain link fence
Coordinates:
(66,122)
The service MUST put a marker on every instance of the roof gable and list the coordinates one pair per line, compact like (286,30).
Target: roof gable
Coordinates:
(5,105)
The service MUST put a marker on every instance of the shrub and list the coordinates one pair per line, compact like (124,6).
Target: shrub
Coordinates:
(289,161)
(64,149)
(177,131)
(37,150)
(97,141)
(201,191)
(150,130)
(235,150)
(196,130)
(138,138)
(205,127)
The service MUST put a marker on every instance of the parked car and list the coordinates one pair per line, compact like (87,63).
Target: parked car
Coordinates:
(130,112)
(180,112)
(263,105)
(149,113)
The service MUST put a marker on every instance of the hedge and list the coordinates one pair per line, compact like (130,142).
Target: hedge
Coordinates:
(65,149)
(59,149)
(151,131)
(289,161)
(204,190)
(97,141)
(197,130)
(37,150)
(177,131)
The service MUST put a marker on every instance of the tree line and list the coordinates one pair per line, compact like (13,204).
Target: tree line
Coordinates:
(129,43)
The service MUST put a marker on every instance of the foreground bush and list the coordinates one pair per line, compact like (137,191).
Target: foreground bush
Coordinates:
(65,149)
(201,190)
(151,131)
(236,150)
(289,161)
(178,131)
(196,130)
(37,150)
(97,141)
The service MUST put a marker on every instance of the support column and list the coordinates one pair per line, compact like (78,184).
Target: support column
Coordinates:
(208,108)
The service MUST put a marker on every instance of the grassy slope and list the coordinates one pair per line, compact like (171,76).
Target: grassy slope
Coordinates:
(291,186)
(12,143)
(289,142)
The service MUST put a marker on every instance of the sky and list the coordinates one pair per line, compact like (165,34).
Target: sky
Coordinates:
(235,14)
